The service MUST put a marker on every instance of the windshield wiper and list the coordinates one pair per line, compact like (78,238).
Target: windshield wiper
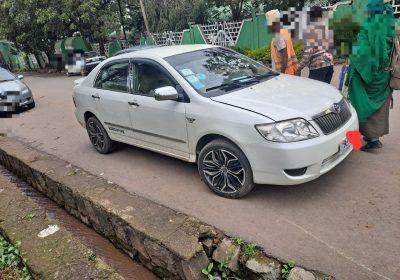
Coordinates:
(247,80)
(236,83)
(225,86)
(267,75)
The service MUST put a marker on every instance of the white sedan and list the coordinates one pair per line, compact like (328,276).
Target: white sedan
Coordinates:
(242,123)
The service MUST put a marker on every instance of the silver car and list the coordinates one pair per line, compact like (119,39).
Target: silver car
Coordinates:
(14,94)
(242,123)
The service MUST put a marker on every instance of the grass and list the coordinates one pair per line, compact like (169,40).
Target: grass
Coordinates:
(12,265)
(286,268)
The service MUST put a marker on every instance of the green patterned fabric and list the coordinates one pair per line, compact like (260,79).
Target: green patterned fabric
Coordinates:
(369,80)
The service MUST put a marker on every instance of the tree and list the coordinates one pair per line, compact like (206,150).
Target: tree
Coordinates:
(236,7)
(35,25)
(174,15)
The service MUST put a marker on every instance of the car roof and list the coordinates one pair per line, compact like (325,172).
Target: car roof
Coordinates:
(166,51)
(134,49)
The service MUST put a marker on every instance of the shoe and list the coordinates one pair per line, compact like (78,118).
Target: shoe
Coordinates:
(373,145)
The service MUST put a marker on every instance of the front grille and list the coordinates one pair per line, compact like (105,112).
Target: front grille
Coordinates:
(333,118)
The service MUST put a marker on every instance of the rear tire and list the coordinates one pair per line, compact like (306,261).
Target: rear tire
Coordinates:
(224,168)
(32,105)
(99,137)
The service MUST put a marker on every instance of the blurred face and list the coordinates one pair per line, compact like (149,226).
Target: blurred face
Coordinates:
(275,27)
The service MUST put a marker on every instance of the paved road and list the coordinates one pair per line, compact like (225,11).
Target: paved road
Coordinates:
(346,223)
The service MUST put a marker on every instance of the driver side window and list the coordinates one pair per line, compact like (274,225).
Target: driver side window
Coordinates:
(149,78)
(114,77)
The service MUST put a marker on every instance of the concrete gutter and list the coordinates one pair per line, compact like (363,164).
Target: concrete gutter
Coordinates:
(55,256)
(169,243)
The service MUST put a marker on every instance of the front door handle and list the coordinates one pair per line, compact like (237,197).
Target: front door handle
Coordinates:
(95,96)
(133,103)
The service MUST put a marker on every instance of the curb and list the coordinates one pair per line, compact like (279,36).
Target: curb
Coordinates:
(169,243)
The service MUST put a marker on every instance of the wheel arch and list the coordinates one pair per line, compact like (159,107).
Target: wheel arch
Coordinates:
(204,140)
(87,115)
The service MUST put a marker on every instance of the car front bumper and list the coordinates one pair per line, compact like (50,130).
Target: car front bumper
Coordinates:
(320,155)
(15,101)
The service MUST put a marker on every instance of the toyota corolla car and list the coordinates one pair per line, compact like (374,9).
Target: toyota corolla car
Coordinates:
(14,94)
(242,123)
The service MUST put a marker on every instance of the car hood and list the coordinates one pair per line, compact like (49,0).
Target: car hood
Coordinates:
(284,97)
(14,85)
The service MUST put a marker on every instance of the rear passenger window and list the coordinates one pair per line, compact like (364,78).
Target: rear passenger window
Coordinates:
(114,77)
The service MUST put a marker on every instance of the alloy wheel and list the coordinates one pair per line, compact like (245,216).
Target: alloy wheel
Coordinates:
(224,171)
(96,135)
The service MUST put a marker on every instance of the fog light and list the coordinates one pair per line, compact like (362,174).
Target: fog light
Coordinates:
(296,172)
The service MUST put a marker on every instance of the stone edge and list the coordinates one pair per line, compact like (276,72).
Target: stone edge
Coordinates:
(171,244)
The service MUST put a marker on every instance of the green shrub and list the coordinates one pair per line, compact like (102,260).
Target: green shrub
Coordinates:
(264,54)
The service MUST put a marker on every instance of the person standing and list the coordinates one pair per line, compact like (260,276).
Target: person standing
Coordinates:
(318,48)
(369,83)
(283,56)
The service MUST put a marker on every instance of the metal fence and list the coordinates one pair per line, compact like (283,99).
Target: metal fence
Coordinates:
(396,6)
(168,38)
(220,33)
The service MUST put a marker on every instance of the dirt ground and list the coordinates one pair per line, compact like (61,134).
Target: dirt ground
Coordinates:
(347,223)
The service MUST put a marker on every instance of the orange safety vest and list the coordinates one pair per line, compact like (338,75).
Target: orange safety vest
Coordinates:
(292,62)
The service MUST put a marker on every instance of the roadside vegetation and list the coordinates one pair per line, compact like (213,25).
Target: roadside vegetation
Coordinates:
(264,54)
(35,25)
(12,265)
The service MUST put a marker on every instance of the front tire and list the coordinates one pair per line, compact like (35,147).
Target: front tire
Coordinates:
(32,105)
(224,168)
(99,137)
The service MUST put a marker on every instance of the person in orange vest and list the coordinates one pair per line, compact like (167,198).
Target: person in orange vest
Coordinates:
(284,59)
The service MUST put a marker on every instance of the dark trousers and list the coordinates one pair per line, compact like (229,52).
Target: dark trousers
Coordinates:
(324,74)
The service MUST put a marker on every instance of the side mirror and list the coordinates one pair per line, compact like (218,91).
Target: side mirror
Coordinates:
(166,93)
(20,77)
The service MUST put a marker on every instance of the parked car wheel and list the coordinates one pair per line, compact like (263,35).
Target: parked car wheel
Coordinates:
(99,136)
(32,105)
(84,73)
(224,168)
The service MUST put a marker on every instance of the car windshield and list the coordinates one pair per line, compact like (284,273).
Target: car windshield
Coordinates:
(5,75)
(216,71)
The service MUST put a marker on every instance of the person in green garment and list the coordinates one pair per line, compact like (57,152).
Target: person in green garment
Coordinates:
(369,89)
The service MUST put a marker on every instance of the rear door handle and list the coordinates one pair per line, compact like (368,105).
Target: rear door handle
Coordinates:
(95,96)
(133,103)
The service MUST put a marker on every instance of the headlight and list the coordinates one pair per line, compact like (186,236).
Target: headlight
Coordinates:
(288,131)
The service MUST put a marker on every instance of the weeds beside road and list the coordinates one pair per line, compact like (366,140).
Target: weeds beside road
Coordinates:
(12,265)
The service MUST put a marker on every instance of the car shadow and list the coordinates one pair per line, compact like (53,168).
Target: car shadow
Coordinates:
(279,194)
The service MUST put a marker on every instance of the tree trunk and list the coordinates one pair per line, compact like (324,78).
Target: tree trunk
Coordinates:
(146,23)
(101,46)
(121,16)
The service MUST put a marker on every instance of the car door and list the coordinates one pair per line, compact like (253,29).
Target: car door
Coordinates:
(111,97)
(158,124)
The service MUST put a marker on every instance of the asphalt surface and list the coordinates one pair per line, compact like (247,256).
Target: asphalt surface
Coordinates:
(347,223)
